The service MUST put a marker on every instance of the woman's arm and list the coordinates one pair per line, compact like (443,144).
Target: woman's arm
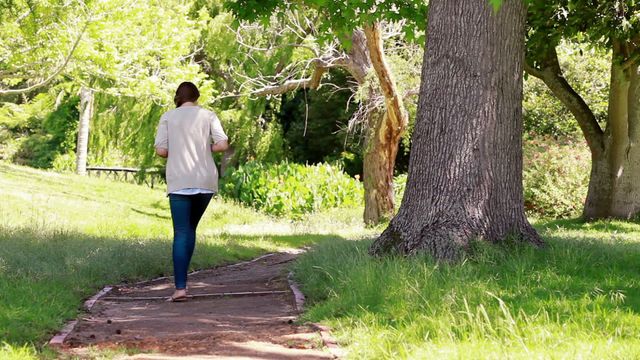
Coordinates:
(162,152)
(220,146)
(162,138)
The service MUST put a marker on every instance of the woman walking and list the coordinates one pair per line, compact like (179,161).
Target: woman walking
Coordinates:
(186,136)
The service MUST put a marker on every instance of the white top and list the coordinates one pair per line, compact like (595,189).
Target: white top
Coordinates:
(192,191)
(187,133)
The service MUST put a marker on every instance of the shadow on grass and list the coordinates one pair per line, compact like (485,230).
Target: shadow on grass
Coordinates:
(155,215)
(582,281)
(579,224)
(45,275)
(161,204)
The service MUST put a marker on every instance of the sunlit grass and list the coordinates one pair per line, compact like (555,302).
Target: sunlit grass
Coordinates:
(16,352)
(63,237)
(579,298)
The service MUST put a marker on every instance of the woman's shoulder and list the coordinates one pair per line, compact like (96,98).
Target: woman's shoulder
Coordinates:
(207,112)
(189,111)
(169,113)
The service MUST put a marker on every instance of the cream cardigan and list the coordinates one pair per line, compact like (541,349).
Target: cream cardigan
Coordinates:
(187,133)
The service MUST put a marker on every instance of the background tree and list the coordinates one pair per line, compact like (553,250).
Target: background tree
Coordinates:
(587,69)
(125,54)
(315,124)
(612,25)
(112,48)
(359,25)
(37,42)
(465,170)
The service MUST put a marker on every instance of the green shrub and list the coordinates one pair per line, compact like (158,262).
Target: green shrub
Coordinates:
(399,185)
(288,189)
(9,143)
(64,162)
(556,177)
(49,137)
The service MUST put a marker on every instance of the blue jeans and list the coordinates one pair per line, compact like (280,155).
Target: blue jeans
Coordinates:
(186,211)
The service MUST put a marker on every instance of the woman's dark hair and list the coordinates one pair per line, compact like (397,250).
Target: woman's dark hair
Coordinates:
(186,92)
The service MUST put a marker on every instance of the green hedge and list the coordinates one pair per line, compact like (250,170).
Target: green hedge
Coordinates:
(291,190)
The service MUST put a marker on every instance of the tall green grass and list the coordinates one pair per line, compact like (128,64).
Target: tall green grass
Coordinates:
(579,298)
(63,237)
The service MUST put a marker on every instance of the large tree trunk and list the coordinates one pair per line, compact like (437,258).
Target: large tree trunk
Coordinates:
(465,170)
(614,186)
(614,189)
(86,112)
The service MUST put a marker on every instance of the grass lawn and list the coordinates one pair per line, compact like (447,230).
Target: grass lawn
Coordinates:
(63,237)
(579,298)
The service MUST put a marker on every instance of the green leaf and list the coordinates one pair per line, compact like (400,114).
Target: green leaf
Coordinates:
(496,5)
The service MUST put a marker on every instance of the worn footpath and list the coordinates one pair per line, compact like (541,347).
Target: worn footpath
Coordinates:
(256,319)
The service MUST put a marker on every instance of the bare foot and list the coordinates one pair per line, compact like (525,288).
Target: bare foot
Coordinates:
(178,295)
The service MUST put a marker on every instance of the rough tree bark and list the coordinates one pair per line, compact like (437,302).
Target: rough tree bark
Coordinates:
(614,189)
(465,169)
(86,112)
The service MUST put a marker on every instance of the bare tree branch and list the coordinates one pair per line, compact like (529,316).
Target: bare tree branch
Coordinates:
(312,82)
(411,92)
(531,70)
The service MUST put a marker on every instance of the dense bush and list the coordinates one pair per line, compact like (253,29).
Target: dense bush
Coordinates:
(556,177)
(19,121)
(288,189)
(49,137)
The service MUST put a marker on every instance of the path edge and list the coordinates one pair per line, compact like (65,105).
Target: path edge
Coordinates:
(58,339)
(325,332)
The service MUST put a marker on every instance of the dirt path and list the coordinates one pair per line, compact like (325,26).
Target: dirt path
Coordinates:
(233,327)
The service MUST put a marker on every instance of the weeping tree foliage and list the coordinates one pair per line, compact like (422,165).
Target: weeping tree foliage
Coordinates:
(125,54)
(38,40)
(613,26)
(112,48)
(228,63)
(123,132)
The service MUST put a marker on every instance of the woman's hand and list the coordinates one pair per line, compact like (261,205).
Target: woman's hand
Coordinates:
(162,152)
(220,146)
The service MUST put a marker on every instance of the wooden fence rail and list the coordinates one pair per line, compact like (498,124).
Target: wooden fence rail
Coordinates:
(149,177)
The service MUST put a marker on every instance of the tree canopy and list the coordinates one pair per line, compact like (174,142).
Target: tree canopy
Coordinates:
(339,18)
